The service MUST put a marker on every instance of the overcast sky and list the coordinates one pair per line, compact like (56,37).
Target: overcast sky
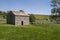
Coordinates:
(29,6)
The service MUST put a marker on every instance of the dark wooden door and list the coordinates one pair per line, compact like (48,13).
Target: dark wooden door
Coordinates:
(22,23)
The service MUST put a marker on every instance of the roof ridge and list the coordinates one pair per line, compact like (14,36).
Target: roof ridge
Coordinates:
(20,13)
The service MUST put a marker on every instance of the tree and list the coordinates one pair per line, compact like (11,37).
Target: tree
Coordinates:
(3,14)
(21,11)
(32,18)
(55,10)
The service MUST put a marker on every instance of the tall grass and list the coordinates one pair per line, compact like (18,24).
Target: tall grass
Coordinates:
(30,32)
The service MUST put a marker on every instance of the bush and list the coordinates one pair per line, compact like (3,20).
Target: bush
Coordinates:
(32,18)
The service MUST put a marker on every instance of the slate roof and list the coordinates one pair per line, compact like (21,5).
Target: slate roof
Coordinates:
(20,13)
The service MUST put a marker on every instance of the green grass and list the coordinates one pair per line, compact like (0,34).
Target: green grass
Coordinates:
(30,32)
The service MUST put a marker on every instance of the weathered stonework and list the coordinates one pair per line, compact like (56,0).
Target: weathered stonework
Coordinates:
(17,18)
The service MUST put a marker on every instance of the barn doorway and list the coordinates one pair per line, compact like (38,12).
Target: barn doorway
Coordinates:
(22,23)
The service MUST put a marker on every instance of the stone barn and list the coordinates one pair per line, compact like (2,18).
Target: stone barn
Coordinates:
(17,18)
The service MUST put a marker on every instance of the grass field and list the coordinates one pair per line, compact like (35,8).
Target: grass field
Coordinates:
(30,32)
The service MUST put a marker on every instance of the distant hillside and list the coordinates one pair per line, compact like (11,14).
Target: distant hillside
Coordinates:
(42,18)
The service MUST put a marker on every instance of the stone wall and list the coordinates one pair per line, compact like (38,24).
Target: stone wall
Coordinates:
(19,19)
